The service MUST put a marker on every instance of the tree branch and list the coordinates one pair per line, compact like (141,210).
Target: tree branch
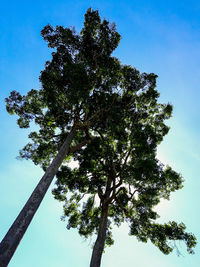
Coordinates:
(122,207)
(100,193)
(77,147)
(126,158)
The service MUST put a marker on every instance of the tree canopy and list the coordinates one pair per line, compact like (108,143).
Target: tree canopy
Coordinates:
(119,170)
(118,124)
(75,84)
(118,173)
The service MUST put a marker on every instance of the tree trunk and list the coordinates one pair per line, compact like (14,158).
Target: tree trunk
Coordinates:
(17,230)
(101,237)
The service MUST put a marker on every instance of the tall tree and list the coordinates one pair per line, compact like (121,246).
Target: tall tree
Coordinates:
(118,177)
(80,72)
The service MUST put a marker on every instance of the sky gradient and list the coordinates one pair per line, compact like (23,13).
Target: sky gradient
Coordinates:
(162,37)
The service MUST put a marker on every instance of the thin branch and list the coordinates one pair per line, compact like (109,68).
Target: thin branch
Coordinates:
(100,193)
(77,147)
(82,197)
(117,185)
(126,158)
(102,137)
(113,188)
(131,194)
(122,207)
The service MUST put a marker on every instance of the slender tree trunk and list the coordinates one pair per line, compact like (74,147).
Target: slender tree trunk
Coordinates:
(17,230)
(101,237)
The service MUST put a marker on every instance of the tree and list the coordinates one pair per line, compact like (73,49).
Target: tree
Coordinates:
(80,73)
(118,177)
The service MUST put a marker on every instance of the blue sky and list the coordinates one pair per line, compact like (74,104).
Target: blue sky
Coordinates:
(157,36)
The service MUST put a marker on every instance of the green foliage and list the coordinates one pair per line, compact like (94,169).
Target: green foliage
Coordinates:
(119,167)
(131,180)
(75,82)
(116,108)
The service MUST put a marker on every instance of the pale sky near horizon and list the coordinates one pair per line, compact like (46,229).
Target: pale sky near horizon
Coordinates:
(157,36)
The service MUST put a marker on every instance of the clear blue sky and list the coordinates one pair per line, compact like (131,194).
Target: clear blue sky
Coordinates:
(157,36)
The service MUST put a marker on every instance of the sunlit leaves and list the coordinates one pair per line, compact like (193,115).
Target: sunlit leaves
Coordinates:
(161,235)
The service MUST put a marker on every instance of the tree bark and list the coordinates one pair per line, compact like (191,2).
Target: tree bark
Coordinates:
(101,237)
(17,230)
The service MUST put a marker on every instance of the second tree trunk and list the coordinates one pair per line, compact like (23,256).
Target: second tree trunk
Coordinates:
(101,237)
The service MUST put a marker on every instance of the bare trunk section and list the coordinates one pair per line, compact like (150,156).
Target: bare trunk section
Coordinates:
(101,237)
(17,230)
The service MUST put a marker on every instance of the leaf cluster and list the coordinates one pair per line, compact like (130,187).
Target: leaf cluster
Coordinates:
(119,168)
